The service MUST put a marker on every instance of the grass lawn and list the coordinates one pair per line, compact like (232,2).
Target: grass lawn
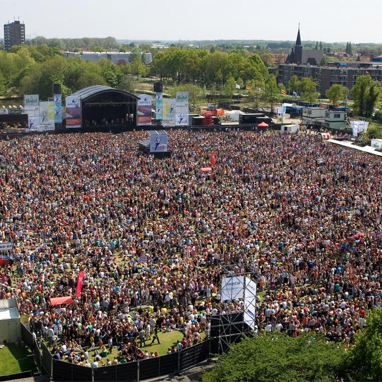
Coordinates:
(14,359)
(166,341)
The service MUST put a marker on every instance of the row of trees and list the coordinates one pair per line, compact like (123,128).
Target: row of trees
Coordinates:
(309,357)
(208,68)
(110,43)
(33,70)
(88,43)
(365,94)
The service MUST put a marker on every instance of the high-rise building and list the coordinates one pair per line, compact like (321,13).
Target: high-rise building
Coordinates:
(14,34)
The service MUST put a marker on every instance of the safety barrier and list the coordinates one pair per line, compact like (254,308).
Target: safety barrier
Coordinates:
(173,363)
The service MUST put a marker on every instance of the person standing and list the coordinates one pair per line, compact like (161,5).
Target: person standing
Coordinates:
(156,337)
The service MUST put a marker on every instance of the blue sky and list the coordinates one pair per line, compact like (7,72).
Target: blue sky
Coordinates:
(322,20)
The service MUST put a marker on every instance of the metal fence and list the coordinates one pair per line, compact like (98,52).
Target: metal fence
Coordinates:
(134,371)
(174,363)
(27,336)
(46,359)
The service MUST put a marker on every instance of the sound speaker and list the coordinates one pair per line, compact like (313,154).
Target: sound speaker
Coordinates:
(158,87)
(56,89)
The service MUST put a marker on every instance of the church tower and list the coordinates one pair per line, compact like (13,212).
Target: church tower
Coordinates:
(298,48)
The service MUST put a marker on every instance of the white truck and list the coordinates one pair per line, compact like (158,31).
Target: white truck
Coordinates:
(321,117)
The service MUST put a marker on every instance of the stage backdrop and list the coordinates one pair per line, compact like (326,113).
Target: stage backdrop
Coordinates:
(144,109)
(73,112)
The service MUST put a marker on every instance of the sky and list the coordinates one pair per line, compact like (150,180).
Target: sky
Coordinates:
(321,20)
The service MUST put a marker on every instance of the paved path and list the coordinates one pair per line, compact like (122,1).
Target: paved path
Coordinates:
(348,144)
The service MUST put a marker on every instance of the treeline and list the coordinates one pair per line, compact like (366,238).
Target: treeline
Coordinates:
(73,44)
(34,69)
(110,43)
(208,67)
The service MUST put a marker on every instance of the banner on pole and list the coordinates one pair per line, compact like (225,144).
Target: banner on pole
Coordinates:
(232,288)
(182,109)
(144,109)
(33,118)
(79,283)
(169,111)
(4,247)
(57,99)
(73,112)
(358,127)
(46,116)
(159,106)
(250,303)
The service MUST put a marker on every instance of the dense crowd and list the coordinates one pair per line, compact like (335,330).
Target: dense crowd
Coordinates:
(152,235)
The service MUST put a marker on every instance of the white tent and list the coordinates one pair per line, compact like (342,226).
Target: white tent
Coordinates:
(233,115)
(10,329)
(290,129)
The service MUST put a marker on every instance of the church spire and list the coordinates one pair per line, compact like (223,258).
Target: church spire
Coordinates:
(298,40)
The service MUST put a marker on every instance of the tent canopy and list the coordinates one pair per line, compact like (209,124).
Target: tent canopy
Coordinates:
(206,169)
(61,300)
(263,124)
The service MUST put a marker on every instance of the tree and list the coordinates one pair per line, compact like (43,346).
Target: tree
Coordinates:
(327,59)
(229,87)
(308,89)
(363,360)
(366,92)
(240,82)
(41,77)
(2,84)
(134,54)
(256,90)
(278,357)
(337,93)
(138,68)
(349,49)
(271,91)
(268,59)
(294,85)
(126,84)
(195,92)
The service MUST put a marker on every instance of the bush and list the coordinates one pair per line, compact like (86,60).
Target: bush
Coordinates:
(278,357)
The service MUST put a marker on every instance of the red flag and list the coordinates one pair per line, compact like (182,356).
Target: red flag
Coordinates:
(79,283)
(213,160)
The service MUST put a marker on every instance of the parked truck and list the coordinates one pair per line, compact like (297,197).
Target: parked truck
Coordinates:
(321,117)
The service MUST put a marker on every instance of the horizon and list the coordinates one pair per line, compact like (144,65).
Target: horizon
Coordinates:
(268,20)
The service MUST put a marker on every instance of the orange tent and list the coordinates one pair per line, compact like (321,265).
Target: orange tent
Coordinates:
(61,300)
(206,169)
(263,124)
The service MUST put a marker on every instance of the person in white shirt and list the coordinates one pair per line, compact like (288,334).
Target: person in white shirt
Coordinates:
(279,326)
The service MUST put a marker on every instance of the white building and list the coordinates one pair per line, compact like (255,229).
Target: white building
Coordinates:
(10,329)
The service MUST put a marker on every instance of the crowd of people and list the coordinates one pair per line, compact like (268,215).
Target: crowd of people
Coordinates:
(301,216)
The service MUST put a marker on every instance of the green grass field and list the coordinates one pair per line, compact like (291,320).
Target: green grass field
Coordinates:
(166,340)
(15,359)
